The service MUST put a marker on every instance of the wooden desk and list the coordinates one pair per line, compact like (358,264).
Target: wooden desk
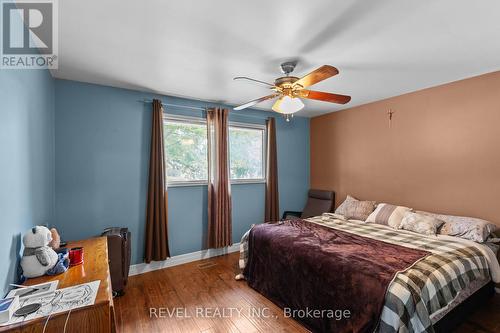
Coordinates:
(98,317)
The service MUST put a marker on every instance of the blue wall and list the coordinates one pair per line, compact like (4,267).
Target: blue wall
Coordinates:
(102,153)
(26,162)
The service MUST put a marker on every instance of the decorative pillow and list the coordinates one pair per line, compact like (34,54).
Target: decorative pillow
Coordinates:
(359,210)
(341,209)
(388,214)
(470,228)
(423,224)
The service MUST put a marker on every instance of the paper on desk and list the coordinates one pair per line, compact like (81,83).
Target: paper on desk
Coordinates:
(60,300)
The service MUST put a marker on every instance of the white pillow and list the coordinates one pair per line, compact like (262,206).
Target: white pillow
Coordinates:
(388,214)
(470,228)
(423,224)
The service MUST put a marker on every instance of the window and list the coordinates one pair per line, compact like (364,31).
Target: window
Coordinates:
(186,150)
(246,152)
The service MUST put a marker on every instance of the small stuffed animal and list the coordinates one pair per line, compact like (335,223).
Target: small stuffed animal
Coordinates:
(38,257)
(62,264)
(55,243)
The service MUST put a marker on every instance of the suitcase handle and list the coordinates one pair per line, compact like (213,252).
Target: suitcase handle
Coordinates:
(123,232)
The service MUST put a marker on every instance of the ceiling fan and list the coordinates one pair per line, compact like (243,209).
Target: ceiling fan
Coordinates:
(290,89)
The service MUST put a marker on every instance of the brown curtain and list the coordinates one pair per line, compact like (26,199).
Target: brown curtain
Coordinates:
(219,187)
(156,214)
(272,198)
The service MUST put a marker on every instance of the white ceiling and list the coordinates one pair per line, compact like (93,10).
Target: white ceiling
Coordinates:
(193,48)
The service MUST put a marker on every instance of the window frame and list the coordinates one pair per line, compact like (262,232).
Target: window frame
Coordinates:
(203,121)
(188,120)
(262,128)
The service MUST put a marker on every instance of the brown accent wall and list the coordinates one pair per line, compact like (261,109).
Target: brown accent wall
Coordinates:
(441,152)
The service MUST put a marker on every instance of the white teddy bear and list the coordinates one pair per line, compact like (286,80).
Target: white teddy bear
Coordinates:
(38,257)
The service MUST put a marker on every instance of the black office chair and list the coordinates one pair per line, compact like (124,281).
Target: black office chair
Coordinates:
(318,202)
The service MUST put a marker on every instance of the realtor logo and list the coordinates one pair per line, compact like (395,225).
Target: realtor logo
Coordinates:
(29,34)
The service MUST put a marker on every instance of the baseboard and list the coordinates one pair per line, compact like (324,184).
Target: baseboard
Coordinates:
(181,259)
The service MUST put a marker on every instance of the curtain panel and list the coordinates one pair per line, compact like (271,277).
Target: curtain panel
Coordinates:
(272,195)
(156,245)
(219,186)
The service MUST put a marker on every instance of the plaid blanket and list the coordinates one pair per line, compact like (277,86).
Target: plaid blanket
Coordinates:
(243,253)
(427,287)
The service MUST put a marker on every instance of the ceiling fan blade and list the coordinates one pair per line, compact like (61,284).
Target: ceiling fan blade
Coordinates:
(320,74)
(326,97)
(253,80)
(255,101)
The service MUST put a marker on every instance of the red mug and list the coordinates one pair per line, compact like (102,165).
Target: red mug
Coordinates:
(76,256)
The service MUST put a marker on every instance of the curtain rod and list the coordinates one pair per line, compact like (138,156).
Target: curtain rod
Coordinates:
(199,108)
(175,105)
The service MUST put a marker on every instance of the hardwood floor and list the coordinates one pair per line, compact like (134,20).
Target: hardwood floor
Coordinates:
(151,298)
(208,283)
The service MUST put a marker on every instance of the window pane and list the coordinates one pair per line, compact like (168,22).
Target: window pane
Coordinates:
(186,150)
(246,153)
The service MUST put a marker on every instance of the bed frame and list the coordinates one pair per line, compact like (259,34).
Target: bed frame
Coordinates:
(457,315)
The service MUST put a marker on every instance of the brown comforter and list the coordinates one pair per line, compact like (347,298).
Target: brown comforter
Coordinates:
(303,266)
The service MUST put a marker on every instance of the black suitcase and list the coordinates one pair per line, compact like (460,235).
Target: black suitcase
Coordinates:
(119,257)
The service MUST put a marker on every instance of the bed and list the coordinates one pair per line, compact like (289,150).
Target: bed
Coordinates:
(364,277)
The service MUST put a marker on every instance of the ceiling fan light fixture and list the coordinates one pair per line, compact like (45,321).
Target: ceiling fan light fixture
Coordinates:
(291,89)
(288,105)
